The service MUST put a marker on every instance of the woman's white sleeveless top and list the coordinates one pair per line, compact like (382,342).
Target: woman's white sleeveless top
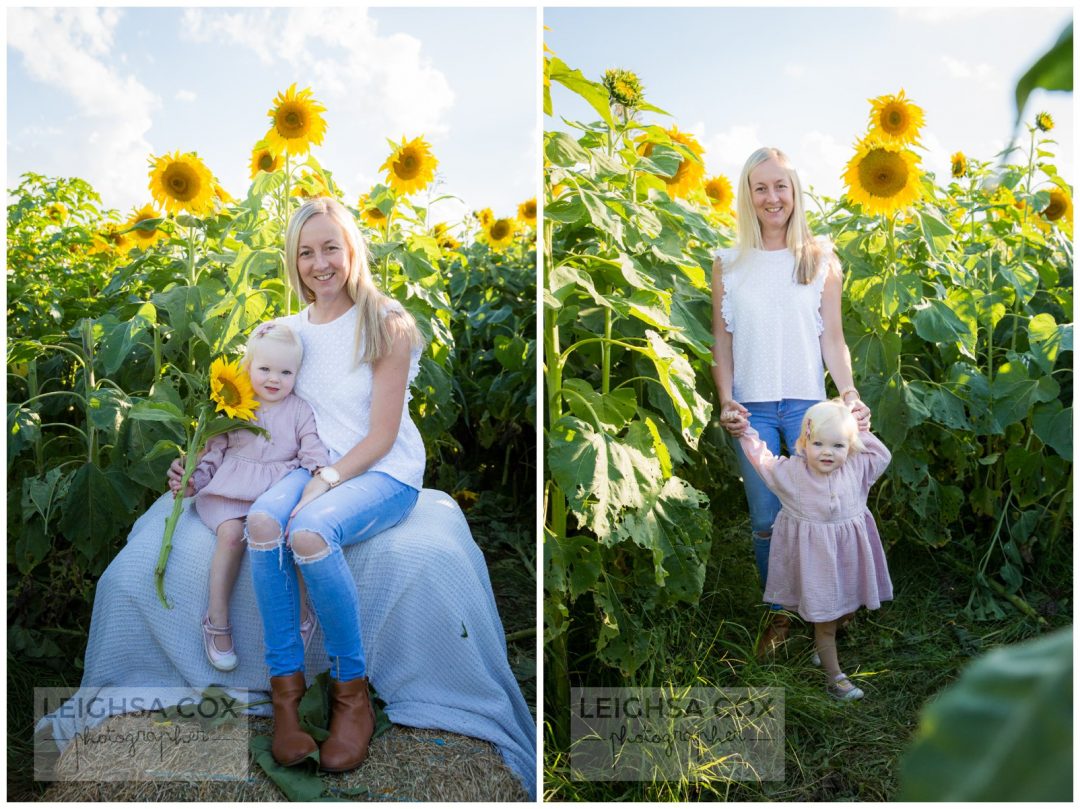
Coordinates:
(339,391)
(775,324)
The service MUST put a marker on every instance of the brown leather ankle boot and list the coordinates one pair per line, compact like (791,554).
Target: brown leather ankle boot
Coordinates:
(352,723)
(291,744)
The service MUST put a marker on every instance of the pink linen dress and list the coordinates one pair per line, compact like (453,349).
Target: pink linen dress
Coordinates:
(239,466)
(825,558)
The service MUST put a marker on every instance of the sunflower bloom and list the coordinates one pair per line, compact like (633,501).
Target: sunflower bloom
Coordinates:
(111,239)
(144,237)
(311,185)
(444,238)
(484,216)
(499,234)
(230,389)
(1060,206)
(182,182)
(371,213)
(882,178)
(411,167)
(262,159)
(690,172)
(56,212)
(894,119)
(527,212)
(1044,121)
(298,122)
(720,193)
(959,165)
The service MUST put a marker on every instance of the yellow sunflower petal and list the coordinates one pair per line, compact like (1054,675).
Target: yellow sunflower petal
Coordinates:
(411,166)
(894,119)
(182,182)
(145,237)
(371,213)
(883,178)
(231,391)
(264,159)
(720,193)
(527,212)
(297,122)
(1060,207)
(499,234)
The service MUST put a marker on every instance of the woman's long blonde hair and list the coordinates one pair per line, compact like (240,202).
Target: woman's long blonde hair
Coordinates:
(800,241)
(375,331)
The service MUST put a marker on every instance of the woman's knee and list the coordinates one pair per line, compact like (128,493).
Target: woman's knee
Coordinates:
(308,546)
(263,531)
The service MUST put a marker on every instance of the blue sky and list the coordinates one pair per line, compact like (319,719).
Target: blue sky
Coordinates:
(93,92)
(800,78)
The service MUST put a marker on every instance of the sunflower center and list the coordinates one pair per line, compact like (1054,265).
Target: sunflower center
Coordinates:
(1056,208)
(375,213)
(883,173)
(893,120)
(408,165)
(181,182)
(229,393)
(530,211)
(290,122)
(266,161)
(500,230)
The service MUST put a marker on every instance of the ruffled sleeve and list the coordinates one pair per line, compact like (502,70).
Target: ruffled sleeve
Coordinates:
(727,257)
(312,453)
(827,256)
(210,461)
(874,459)
(777,472)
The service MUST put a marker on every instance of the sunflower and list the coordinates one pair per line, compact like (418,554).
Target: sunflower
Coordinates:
(720,194)
(1044,121)
(231,389)
(624,87)
(499,234)
(527,212)
(894,119)
(371,213)
(262,159)
(144,237)
(111,239)
(444,238)
(56,212)
(882,178)
(959,165)
(182,182)
(221,195)
(298,122)
(484,216)
(1060,206)
(411,166)
(311,185)
(690,172)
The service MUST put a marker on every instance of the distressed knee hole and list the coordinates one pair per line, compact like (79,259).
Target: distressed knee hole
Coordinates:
(262,532)
(308,547)
(763,534)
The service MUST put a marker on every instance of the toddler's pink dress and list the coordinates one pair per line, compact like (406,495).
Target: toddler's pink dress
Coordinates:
(241,465)
(825,558)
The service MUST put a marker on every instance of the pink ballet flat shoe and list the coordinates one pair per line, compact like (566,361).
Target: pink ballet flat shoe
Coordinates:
(842,689)
(307,629)
(222,661)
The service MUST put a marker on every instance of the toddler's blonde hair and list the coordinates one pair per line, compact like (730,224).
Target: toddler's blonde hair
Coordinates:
(272,331)
(826,414)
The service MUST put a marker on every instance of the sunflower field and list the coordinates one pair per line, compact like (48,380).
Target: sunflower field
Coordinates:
(958,313)
(113,324)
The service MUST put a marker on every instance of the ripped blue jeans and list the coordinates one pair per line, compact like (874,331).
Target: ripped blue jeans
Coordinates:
(351,512)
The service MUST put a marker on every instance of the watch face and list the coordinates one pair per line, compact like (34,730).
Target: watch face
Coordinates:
(330,475)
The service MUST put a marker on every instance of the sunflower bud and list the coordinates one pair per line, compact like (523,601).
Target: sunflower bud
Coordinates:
(623,87)
(1044,121)
(959,165)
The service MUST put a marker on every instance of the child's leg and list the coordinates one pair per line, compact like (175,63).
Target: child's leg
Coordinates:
(224,568)
(825,641)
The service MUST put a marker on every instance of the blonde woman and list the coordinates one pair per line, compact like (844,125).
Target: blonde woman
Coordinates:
(776,328)
(361,351)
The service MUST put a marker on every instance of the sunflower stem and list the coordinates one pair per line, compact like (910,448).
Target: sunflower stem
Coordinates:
(191,458)
(1023,230)
(286,287)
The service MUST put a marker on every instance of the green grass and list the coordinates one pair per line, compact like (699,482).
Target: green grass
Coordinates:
(900,655)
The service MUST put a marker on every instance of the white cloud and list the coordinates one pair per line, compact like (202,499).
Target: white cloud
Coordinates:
(941,14)
(795,71)
(725,152)
(980,72)
(186,95)
(388,77)
(820,161)
(66,49)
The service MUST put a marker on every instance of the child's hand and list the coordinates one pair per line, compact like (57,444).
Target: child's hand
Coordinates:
(175,475)
(316,487)
(734,418)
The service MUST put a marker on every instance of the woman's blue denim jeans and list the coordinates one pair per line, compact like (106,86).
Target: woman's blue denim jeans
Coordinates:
(774,421)
(353,511)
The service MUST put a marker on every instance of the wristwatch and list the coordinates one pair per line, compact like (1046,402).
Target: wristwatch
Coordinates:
(330,475)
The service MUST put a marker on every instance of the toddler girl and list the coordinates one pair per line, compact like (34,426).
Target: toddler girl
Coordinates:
(826,558)
(239,466)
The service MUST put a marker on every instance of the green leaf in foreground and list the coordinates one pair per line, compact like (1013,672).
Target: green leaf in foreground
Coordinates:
(1002,732)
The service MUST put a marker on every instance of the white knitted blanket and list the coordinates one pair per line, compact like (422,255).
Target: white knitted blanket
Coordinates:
(433,640)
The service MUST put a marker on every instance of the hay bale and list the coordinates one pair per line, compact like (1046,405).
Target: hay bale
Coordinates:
(404,764)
